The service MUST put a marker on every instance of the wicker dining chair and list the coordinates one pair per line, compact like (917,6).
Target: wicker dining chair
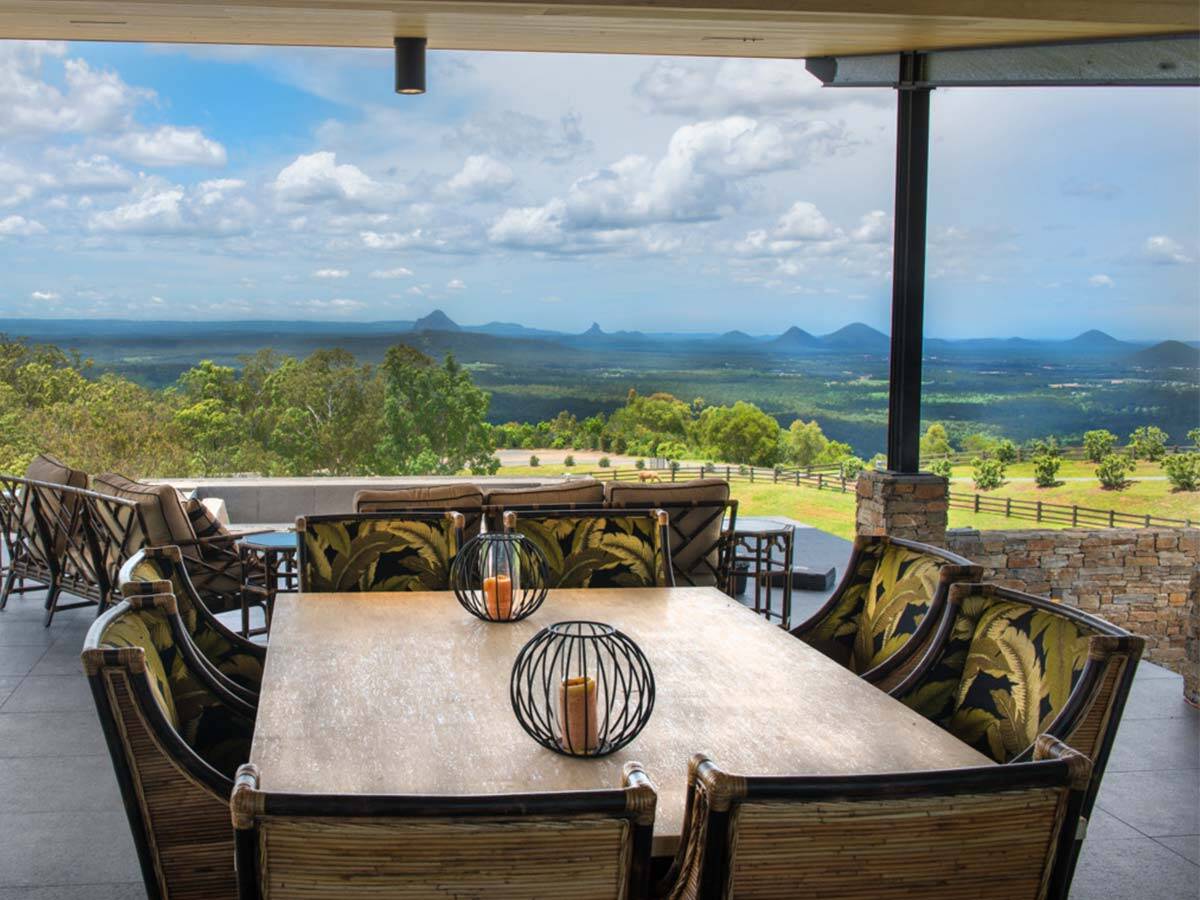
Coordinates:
(990,833)
(599,548)
(378,551)
(1005,666)
(582,845)
(460,497)
(701,527)
(880,618)
(176,738)
(231,658)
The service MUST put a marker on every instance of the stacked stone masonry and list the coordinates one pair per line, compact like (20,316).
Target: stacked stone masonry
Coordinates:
(905,506)
(1146,580)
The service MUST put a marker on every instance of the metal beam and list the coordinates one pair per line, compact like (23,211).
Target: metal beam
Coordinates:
(1167,61)
(908,269)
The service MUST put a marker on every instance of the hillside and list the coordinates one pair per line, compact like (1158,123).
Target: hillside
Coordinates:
(1168,354)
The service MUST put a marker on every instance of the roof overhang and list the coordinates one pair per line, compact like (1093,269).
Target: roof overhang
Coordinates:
(750,28)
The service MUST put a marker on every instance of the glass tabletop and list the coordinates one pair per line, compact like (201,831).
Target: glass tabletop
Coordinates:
(271,540)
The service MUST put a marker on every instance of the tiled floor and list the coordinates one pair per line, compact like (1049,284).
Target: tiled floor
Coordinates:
(63,834)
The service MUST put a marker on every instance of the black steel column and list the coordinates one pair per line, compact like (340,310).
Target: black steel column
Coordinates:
(908,269)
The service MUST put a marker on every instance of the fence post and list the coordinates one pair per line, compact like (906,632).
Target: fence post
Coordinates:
(1008,507)
(1147,520)
(1112,518)
(1074,515)
(775,476)
(1039,510)
(976,503)
(752,474)
(843,484)
(727,473)
(820,480)
(797,478)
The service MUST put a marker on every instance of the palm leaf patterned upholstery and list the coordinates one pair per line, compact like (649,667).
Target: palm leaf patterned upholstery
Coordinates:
(219,735)
(161,569)
(877,612)
(378,551)
(599,548)
(1007,667)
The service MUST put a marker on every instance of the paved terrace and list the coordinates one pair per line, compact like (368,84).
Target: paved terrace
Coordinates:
(65,837)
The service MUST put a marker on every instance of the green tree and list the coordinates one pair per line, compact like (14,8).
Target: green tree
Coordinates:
(935,441)
(803,443)
(1183,471)
(741,433)
(940,467)
(851,467)
(988,473)
(1045,469)
(435,418)
(326,413)
(1194,437)
(1006,451)
(1113,471)
(979,443)
(1148,442)
(1098,443)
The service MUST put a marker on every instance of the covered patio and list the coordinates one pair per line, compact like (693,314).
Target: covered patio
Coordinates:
(368,723)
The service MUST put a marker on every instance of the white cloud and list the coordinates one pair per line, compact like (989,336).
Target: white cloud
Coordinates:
(317,178)
(45,296)
(331,273)
(456,284)
(398,272)
(873,228)
(517,135)
(159,208)
(1102,281)
(480,178)
(531,227)
(706,88)
(19,226)
(170,146)
(340,305)
(804,222)
(441,240)
(96,173)
(1165,251)
(90,101)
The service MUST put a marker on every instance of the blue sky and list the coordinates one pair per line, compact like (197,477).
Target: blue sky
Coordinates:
(683,194)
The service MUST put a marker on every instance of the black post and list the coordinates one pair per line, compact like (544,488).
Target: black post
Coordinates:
(908,268)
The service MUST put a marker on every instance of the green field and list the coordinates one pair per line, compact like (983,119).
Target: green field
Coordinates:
(833,511)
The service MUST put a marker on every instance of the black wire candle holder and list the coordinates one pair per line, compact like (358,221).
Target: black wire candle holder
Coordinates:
(582,688)
(499,577)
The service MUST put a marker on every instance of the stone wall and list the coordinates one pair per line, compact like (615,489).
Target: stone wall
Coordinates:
(905,506)
(1146,580)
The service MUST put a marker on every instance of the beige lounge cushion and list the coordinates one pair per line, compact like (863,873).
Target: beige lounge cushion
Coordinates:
(45,467)
(460,497)
(162,513)
(576,492)
(693,533)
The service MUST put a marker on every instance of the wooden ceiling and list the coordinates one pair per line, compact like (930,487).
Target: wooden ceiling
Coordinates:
(765,28)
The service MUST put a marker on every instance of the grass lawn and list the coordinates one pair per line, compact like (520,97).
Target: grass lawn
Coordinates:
(833,511)
(1142,496)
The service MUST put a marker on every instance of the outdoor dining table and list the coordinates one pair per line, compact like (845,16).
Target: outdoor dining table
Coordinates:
(406,693)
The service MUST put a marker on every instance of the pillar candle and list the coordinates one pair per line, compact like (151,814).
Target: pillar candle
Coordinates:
(577,715)
(497,596)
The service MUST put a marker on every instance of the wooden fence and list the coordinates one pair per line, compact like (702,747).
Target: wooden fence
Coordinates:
(824,479)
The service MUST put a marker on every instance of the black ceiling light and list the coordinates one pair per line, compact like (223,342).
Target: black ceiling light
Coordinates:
(410,65)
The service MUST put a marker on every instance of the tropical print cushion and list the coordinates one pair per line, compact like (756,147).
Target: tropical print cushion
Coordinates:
(881,608)
(1004,675)
(220,736)
(377,555)
(232,661)
(598,552)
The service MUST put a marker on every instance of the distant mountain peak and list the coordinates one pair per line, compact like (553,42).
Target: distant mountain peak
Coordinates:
(736,335)
(436,321)
(1094,336)
(796,337)
(1168,354)
(856,335)
(594,331)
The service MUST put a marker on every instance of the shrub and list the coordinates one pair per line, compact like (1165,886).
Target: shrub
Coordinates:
(1194,437)
(640,464)
(878,462)
(603,462)
(1045,469)
(1006,452)
(569,460)
(1148,442)
(1113,470)
(534,461)
(1098,444)
(989,473)
(674,465)
(941,467)
(1183,471)
(852,467)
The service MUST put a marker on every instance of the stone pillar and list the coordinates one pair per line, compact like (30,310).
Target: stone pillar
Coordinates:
(904,506)
(1191,662)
